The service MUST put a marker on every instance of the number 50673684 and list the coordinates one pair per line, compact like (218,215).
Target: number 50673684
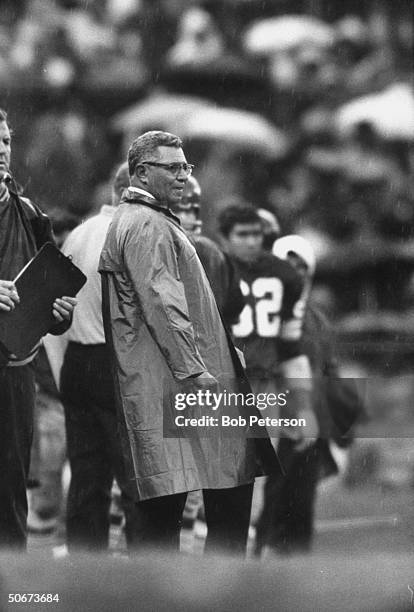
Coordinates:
(33,597)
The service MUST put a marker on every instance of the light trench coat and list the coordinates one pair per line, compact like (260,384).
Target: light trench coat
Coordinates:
(162,325)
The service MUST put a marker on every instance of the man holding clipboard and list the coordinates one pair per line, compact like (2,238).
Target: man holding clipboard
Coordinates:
(23,231)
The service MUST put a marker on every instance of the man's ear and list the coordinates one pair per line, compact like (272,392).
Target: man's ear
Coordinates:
(141,173)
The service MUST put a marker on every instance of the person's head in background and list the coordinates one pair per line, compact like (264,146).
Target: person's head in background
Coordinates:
(301,255)
(63,222)
(120,183)
(188,210)
(5,144)
(271,228)
(298,252)
(5,155)
(242,230)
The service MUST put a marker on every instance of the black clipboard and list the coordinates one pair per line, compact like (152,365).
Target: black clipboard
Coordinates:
(49,275)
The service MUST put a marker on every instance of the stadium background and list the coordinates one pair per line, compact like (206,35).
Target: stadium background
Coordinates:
(72,70)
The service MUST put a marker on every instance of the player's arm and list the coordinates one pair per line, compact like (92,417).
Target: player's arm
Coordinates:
(295,367)
(234,299)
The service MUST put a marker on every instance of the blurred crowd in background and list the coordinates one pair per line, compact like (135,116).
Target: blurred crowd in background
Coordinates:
(301,107)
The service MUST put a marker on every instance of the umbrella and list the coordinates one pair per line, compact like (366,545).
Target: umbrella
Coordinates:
(248,131)
(391,113)
(158,111)
(269,36)
(353,163)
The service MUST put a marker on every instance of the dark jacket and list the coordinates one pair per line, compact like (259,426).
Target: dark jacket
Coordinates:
(337,402)
(223,279)
(37,230)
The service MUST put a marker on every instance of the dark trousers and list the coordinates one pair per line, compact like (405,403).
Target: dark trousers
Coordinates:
(227,513)
(94,449)
(286,520)
(17,397)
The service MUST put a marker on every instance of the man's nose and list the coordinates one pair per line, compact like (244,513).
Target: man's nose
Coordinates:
(182,175)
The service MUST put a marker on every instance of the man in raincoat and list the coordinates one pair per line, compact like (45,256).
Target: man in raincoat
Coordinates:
(165,333)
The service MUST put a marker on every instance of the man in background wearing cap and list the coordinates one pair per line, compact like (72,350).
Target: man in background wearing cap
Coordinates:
(289,515)
(286,520)
(88,397)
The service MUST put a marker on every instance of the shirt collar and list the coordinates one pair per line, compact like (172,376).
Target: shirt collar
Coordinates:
(133,193)
(137,191)
(142,191)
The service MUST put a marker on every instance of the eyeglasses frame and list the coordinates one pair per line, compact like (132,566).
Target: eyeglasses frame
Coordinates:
(190,167)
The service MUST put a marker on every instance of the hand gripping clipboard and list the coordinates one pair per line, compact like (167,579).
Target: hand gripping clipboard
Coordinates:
(49,275)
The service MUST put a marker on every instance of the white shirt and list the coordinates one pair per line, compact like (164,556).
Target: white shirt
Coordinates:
(85,244)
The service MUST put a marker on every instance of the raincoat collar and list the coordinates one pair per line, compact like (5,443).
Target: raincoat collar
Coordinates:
(141,191)
(133,196)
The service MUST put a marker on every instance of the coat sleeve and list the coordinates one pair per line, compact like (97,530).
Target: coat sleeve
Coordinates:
(151,261)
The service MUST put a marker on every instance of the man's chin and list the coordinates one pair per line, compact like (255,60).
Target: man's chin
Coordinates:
(175,200)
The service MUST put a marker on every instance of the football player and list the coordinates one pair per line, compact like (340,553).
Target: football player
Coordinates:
(269,327)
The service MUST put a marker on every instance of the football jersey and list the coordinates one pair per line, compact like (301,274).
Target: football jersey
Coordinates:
(269,328)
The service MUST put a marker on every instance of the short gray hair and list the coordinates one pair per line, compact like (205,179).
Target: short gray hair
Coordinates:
(145,146)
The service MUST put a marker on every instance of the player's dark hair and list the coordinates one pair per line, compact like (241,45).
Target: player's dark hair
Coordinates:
(145,147)
(237,213)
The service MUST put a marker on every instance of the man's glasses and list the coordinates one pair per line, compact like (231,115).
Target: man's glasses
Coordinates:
(174,168)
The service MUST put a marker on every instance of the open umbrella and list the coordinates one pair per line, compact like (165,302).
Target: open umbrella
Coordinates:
(391,113)
(269,36)
(248,131)
(159,111)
